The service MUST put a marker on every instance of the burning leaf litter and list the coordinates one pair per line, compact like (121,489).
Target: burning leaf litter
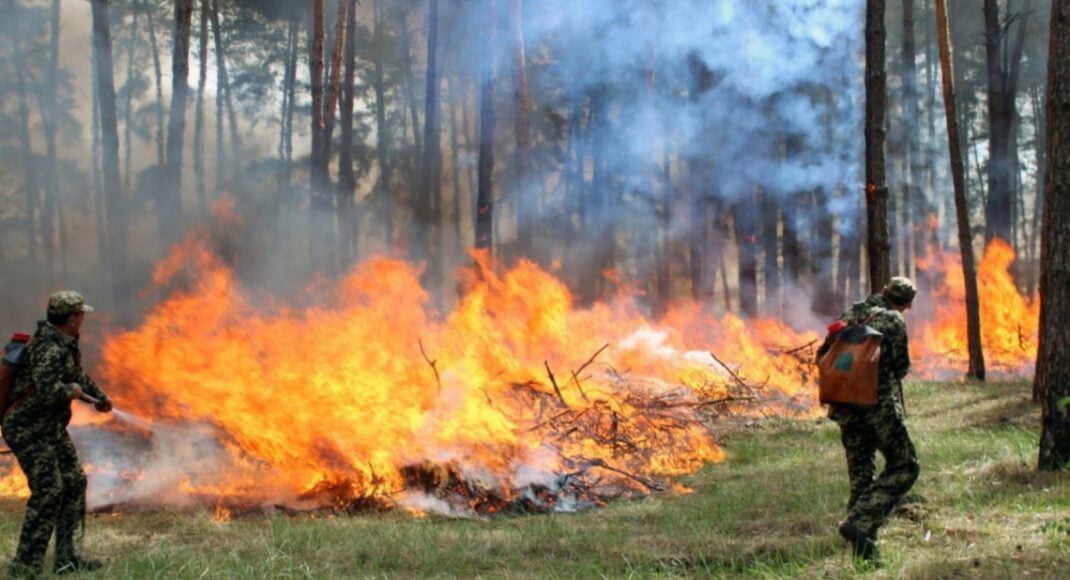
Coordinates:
(515,402)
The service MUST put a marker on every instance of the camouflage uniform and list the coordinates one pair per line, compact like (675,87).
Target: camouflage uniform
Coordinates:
(35,430)
(864,431)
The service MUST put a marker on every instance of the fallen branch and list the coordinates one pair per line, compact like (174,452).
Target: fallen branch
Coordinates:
(434,368)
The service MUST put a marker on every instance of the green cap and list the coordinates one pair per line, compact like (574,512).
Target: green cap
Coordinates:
(67,302)
(900,290)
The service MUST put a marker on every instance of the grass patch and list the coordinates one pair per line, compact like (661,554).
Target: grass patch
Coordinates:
(979,509)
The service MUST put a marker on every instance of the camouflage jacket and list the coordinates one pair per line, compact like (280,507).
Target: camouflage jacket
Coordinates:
(895,353)
(54,362)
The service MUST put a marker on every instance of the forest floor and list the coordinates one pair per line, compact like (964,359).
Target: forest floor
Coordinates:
(979,509)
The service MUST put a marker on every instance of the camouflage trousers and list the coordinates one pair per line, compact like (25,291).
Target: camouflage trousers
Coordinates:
(864,432)
(57,484)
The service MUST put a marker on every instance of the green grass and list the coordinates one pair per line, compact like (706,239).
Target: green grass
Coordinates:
(980,510)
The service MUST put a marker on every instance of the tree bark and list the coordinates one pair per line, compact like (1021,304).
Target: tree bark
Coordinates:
(745,218)
(169,204)
(128,106)
(224,98)
(198,122)
(1000,115)
(914,199)
(878,244)
(49,117)
(410,87)
(976,368)
(110,155)
(769,224)
(320,209)
(485,197)
(157,69)
(383,194)
(99,217)
(1052,379)
(526,202)
(30,179)
(426,223)
(347,177)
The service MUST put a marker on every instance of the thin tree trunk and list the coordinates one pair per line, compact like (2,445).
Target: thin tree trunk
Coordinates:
(99,218)
(49,211)
(1000,111)
(485,200)
(410,87)
(969,272)
(30,185)
(320,203)
(745,219)
(526,202)
(913,195)
(110,150)
(198,123)
(426,222)
(347,177)
(878,244)
(169,205)
(1038,203)
(382,194)
(224,97)
(128,106)
(456,99)
(157,69)
(1052,380)
(769,223)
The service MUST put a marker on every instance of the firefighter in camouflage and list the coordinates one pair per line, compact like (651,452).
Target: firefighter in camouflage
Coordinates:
(35,428)
(864,431)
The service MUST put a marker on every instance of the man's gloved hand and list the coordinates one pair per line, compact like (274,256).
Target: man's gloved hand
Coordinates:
(104,405)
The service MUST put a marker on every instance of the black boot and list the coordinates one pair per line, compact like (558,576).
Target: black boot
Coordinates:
(19,570)
(863,545)
(76,565)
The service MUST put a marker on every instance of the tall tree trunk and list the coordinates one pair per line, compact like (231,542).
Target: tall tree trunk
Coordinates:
(745,219)
(455,90)
(320,210)
(825,301)
(1052,380)
(485,196)
(99,217)
(969,272)
(425,211)
(1000,114)
(110,152)
(410,87)
(878,244)
(224,97)
(30,185)
(702,270)
(347,187)
(128,106)
(169,205)
(769,224)
(383,195)
(157,69)
(526,202)
(49,116)
(1038,203)
(913,195)
(198,122)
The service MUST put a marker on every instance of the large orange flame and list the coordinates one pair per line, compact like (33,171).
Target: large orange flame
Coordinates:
(242,399)
(336,401)
(1009,320)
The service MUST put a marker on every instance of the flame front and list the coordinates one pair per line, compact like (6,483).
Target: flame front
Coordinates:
(1009,320)
(515,393)
(337,402)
